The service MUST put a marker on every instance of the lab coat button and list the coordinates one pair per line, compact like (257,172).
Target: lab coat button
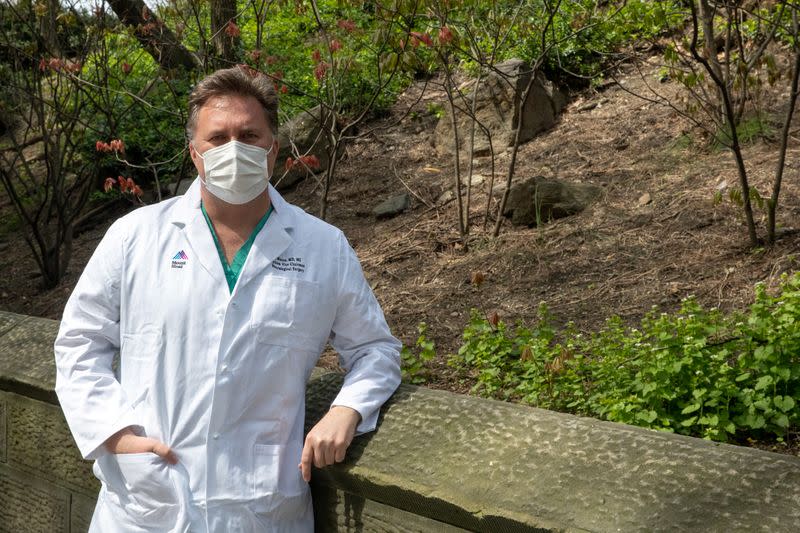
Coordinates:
(216,436)
(224,368)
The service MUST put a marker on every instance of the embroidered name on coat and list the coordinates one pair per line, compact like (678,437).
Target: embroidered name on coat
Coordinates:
(289,264)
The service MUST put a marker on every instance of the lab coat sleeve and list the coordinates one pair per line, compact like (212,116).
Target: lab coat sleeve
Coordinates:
(367,350)
(93,401)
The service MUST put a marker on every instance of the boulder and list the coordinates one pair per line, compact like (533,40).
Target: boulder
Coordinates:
(304,132)
(539,200)
(392,206)
(496,110)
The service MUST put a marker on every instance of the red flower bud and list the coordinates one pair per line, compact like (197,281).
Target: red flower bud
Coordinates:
(232,29)
(108,184)
(445,35)
(320,70)
(417,37)
(311,161)
(347,25)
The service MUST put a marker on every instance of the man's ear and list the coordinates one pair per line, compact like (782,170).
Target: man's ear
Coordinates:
(198,163)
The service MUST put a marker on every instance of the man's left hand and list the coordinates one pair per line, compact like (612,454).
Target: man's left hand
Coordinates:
(328,440)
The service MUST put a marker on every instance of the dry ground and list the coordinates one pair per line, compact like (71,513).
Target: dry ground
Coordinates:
(621,256)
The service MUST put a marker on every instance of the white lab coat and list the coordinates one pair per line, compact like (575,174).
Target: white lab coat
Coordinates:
(218,376)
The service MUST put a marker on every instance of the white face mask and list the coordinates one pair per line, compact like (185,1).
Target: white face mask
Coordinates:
(236,172)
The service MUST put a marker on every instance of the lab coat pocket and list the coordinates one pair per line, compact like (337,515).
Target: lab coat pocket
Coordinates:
(146,488)
(275,481)
(284,313)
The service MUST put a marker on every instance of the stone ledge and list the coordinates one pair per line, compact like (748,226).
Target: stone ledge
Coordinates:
(27,364)
(484,465)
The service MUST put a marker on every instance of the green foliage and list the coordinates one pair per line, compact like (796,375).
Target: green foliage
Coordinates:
(140,105)
(357,65)
(435,109)
(697,372)
(580,38)
(413,366)
(748,130)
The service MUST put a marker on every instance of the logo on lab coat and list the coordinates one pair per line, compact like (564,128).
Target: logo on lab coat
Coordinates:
(180,259)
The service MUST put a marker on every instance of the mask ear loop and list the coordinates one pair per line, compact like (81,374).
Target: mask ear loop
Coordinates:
(191,144)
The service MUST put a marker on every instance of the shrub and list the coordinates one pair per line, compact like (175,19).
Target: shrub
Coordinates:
(697,372)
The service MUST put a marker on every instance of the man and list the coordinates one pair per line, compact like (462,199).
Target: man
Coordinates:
(219,303)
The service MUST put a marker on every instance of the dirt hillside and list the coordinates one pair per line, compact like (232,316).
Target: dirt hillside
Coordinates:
(655,236)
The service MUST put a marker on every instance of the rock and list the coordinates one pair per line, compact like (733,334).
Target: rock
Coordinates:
(477,179)
(644,200)
(497,111)
(538,200)
(392,206)
(303,130)
(446,197)
(620,144)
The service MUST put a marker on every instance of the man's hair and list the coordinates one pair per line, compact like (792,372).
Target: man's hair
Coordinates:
(240,80)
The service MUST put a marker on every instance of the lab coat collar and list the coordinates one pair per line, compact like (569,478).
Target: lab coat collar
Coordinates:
(273,239)
(186,215)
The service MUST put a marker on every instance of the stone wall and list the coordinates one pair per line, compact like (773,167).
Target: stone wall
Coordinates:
(438,462)
(45,486)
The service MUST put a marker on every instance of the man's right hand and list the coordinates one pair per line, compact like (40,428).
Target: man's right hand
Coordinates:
(126,441)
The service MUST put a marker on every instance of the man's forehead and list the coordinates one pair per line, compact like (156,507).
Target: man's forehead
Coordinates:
(220,110)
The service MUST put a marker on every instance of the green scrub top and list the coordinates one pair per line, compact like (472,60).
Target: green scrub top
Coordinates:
(232,271)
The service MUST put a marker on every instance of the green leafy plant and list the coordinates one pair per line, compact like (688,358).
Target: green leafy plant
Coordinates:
(697,371)
(413,366)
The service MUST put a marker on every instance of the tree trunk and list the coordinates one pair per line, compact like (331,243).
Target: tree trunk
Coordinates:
(223,12)
(159,41)
(710,65)
(772,203)
(48,28)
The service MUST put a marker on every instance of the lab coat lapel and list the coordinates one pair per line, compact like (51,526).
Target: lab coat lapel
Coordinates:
(273,239)
(195,228)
